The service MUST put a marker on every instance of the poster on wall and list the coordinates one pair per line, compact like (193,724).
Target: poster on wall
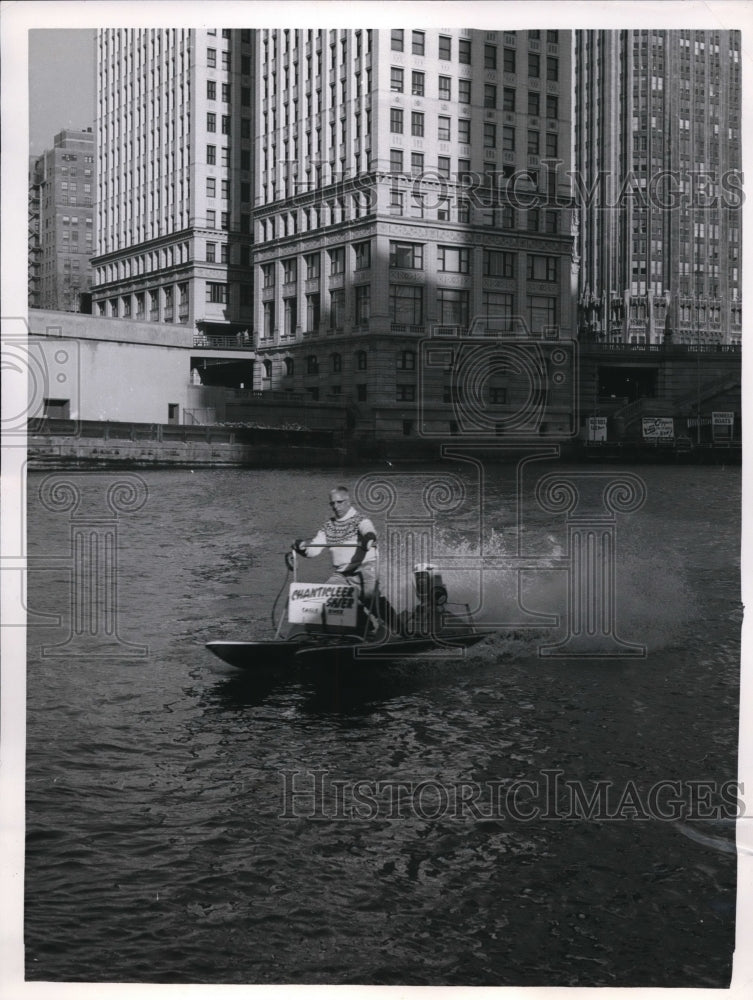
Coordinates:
(658,428)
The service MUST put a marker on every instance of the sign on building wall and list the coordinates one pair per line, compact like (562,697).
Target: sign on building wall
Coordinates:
(722,424)
(597,428)
(658,428)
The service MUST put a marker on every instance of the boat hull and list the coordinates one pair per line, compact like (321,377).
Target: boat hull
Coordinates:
(322,652)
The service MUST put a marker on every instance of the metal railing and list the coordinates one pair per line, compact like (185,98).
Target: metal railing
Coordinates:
(224,343)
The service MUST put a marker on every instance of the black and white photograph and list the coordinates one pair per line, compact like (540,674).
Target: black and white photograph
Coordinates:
(373,522)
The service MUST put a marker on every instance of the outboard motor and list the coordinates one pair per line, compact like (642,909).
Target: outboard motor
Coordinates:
(430,591)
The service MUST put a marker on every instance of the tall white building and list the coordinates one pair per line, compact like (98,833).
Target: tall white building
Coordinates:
(407,182)
(174,159)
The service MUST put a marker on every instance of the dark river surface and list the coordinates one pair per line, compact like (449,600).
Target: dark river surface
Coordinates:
(418,823)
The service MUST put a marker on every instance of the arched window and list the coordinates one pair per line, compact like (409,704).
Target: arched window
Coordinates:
(267,369)
(362,361)
(289,367)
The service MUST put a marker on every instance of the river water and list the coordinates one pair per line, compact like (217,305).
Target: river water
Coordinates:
(417,824)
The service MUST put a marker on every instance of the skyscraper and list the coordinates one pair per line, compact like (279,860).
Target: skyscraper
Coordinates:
(61,221)
(658,160)
(175,176)
(406,182)
(395,184)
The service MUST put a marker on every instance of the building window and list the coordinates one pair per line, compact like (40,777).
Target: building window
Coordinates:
(312,266)
(211,252)
(464,210)
(417,123)
(363,255)
(464,91)
(552,68)
(445,47)
(508,138)
(405,393)
(490,57)
(336,308)
(464,130)
(397,36)
(396,161)
(226,124)
(337,260)
(211,218)
(226,60)
(443,131)
(542,268)
(336,363)
(552,37)
(407,256)
(396,80)
(453,306)
(418,41)
(225,93)
(216,292)
(464,51)
(289,367)
(455,260)
(534,63)
(417,163)
(289,270)
(417,83)
(490,96)
(508,63)
(542,310)
(211,121)
(361,392)
(290,307)
(497,395)
(211,90)
(490,135)
(211,187)
(534,103)
(211,155)
(533,143)
(268,275)
(396,120)
(552,144)
(224,220)
(313,312)
(211,57)
(362,361)
(397,201)
(406,361)
(551,221)
(498,306)
(533,220)
(499,264)
(406,305)
(312,365)
(445,88)
(552,106)
(362,304)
